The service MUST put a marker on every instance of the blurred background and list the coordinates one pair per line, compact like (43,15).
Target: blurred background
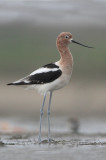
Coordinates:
(28,32)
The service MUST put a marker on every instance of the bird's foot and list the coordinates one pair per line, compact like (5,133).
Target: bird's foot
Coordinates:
(50,140)
(40,140)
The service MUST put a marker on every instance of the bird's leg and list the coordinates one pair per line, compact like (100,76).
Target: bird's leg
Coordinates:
(41,114)
(48,113)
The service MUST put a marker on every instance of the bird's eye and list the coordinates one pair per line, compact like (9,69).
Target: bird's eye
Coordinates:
(66,36)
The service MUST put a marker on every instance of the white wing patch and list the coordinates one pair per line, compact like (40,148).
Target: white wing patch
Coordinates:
(45,74)
(21,80)
(44,70)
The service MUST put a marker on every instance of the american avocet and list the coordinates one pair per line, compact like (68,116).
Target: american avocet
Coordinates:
(52,76)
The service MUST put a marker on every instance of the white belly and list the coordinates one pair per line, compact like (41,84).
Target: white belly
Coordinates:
(57,84)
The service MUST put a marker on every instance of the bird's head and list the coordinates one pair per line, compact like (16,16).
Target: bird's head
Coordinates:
(65,38)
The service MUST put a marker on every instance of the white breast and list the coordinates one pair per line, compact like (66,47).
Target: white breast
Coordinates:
(55,85)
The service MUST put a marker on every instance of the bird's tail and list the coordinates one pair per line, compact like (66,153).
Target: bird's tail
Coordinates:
(17,83)
(10,84)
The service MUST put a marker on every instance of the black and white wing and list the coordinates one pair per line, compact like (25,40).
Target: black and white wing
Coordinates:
(45,74)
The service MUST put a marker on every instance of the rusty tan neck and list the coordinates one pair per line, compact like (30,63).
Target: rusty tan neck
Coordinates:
(66,56)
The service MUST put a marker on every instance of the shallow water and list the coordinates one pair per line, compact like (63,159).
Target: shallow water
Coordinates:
(85,142)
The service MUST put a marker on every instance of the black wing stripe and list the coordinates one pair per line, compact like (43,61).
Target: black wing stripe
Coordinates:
(46,77)
(51,65)
(40,78)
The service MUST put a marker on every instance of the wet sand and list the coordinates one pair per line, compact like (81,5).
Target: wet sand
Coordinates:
(88,142)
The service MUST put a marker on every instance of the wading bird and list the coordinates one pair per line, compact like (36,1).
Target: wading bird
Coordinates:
(52,76)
